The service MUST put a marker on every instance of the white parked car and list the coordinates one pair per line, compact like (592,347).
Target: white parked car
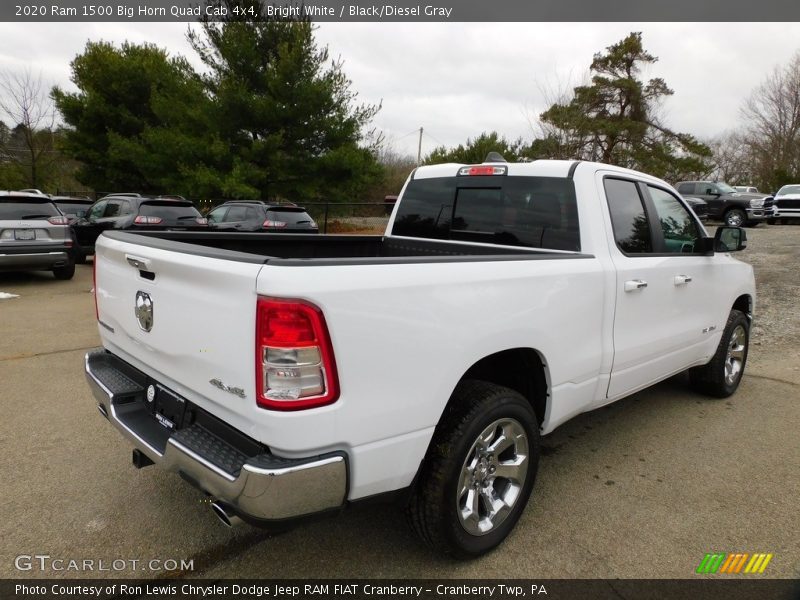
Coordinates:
(293,375)
(787,203)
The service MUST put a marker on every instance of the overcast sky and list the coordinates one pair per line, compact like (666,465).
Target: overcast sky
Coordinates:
(457,80)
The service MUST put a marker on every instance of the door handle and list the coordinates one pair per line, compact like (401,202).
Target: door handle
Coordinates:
(682,279)
(635,284)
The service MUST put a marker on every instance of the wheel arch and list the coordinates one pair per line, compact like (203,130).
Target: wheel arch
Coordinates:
(520,369)
(744,303)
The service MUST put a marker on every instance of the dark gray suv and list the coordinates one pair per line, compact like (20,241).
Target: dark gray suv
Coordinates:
(254,215)
(34,235)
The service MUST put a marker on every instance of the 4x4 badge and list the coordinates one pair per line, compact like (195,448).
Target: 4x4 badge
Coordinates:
(144,310)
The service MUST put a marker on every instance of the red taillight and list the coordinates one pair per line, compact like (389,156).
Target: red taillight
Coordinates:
(295,368)
(94,287)
(270,223)
(58,220)
(141,220)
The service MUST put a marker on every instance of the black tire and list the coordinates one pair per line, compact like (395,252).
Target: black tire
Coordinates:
(735,217)
(80,258)
(65,272)
(720,377)
(436,510)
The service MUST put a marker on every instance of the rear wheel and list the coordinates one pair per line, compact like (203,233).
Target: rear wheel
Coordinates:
(721,376)
(65,272)
(479,472)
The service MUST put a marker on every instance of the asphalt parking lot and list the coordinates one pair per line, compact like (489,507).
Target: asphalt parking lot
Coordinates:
(643,488)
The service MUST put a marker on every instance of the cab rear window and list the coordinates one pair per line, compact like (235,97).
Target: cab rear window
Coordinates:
(535,212)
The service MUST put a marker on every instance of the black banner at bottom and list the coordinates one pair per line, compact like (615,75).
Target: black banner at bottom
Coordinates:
(400,589)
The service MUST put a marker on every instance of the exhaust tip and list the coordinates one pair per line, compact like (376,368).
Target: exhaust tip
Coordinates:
(225,515)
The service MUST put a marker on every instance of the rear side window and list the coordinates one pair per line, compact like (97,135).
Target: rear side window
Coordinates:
(628,217)
(168,210)
(535,212)
(26,208)
(686,188)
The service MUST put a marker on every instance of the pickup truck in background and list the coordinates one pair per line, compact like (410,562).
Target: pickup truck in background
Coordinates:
(728,205)
(422,365)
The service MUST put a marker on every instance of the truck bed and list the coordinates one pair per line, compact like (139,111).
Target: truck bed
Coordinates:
(319,250)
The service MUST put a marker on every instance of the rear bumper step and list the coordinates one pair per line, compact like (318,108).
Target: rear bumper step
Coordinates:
(260,486)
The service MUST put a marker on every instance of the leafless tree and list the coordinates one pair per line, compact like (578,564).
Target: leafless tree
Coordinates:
(732,159)
(771,118)
(559,143)
(27,108)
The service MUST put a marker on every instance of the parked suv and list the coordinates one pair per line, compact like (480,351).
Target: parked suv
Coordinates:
(135,212)
(34,235)
(255,215)
(727,205)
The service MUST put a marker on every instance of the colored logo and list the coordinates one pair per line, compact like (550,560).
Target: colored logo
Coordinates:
(734,563)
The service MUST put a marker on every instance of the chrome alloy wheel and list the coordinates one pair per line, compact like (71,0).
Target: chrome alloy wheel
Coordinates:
(734,361)
(492,476)
(734,219)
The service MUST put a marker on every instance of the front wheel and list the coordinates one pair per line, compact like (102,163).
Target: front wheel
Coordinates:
(722,375)
(735,217)
(479,472)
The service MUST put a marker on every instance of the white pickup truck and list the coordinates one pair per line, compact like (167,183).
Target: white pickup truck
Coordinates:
(292,375)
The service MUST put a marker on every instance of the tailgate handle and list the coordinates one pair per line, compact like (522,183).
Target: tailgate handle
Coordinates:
(139,263)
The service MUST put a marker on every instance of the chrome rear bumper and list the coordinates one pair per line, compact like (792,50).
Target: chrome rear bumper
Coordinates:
(263,487)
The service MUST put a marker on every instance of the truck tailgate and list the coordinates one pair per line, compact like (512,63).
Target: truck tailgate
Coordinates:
(184,320)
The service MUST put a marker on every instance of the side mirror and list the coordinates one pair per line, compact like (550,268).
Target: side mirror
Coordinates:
(730,239)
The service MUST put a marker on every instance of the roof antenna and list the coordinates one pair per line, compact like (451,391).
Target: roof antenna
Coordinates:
(494,157)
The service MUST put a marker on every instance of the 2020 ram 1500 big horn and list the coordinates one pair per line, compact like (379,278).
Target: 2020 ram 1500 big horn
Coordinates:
(292,375)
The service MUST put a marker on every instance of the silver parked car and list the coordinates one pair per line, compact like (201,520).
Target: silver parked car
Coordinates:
(34,235)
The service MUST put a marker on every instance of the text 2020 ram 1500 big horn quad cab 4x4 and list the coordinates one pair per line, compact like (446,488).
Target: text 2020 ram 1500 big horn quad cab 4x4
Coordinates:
(503,300)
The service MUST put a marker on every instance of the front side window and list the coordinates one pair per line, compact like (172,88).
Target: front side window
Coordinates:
(628,217)
(236,214)
(680,230)
(97,210)
(217,215)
